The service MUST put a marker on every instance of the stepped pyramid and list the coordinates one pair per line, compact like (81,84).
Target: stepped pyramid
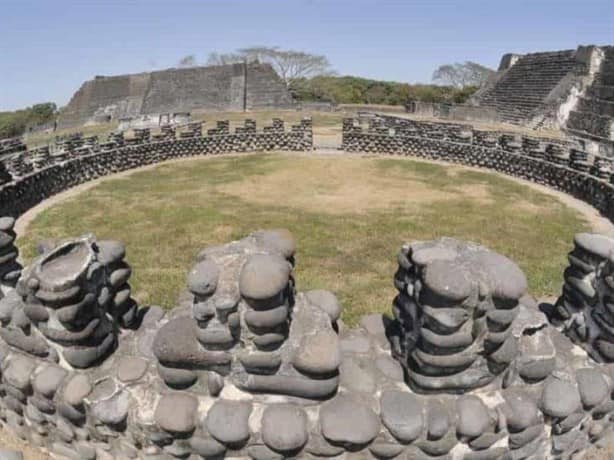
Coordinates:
(572,90)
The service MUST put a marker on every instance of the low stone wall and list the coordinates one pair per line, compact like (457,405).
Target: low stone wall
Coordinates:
(246,366)
(33,180)
(549,162)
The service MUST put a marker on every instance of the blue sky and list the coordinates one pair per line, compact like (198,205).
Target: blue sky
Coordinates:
(48,48)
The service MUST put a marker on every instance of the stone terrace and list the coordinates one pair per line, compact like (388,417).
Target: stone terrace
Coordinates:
(594,114)
(522,89)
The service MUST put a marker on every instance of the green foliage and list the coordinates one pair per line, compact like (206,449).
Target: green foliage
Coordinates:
(356,90)
(461,75)
(14,124)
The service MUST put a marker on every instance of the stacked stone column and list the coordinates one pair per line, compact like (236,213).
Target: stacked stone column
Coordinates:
(585,309)
(10,269)
(266,291)
(454,313)
(121,306)
(66,295)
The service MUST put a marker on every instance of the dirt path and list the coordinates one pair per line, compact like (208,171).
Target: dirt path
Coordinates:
(597,222)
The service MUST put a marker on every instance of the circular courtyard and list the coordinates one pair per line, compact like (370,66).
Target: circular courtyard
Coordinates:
(349,215)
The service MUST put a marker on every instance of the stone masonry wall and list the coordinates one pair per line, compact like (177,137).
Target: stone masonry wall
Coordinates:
(31,181)
(553,163)
(247,366)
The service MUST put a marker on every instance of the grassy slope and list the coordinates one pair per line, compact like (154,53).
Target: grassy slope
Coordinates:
(348,215)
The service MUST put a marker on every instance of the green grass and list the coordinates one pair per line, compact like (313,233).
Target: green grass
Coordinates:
(349,216)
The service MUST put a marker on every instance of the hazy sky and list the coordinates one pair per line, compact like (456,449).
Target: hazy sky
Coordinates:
(48,48)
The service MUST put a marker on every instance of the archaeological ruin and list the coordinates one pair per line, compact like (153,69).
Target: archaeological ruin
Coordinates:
(466,366)
(568,90)
(232,87)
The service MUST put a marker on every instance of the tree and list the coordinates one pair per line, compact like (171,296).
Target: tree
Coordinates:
(187,61)
(223,59)
(290,65)
(464,74)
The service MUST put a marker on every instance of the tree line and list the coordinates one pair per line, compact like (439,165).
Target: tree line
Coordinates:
(310,78)
(13,124)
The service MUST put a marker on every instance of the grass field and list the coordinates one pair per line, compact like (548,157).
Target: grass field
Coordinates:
(349,216)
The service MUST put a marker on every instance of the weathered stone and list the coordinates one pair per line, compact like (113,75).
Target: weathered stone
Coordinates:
(600,245)
(384,450)
(593,386)
(318,353)
(112,411)
(48,380)
(284,427)
(401,413)
(320,447)
(357,375)
(110,251)
(520,410)
(203,278)
(389,367)
(327,301)
(266,319)
(31,344)
(7,454)
(438,420)
(207,448)
(347,421)
(354,344)
(152,315)
(176,345)
(83,357)
(227,421)
(524,437)
(215,383)
(77,388)
(262,452)
(560,397)
(7,223)
(485,440)
(19,371)
(130,368)
(260,361)
(264,276)
(176,412)
(473,418)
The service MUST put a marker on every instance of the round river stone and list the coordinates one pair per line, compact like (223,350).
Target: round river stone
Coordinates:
(227,421)
(131,368)
(592,385)
(203,278)
(176,413)
(264,276)
(402,414)
(77,389)
(319,353)
(560,398)
(284,427)
(345,420)
(473,418)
